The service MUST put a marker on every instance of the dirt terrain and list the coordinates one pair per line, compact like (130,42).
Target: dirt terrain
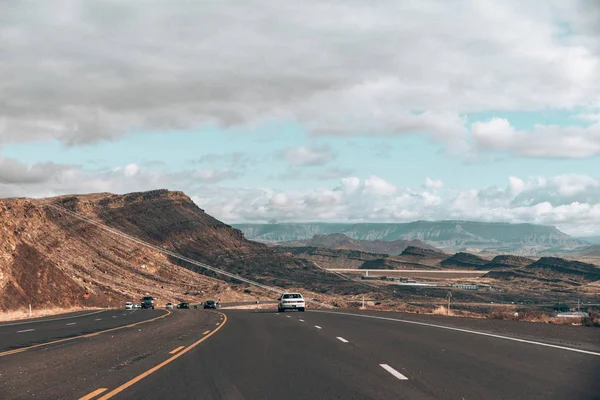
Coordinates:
(49,258)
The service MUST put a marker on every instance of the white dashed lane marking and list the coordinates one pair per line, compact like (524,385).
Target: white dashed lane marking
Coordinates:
(341,339)
(318,327)
(26,330)
(393,372)
(301,320)
(288,316)
(72,323)
(98,319)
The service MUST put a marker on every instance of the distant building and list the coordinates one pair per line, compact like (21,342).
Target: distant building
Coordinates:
(466,287)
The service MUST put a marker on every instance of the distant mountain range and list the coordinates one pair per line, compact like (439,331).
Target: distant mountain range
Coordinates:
(523,239)
(339,241)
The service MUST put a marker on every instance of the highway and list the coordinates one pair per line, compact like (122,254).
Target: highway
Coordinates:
(262,354)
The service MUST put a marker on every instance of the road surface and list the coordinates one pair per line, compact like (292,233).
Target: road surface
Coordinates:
(262,354)
(411,273)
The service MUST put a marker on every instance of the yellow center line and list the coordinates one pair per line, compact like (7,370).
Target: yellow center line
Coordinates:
(22,349)
(93,394)
(205,332)
(159,366)
(176,350)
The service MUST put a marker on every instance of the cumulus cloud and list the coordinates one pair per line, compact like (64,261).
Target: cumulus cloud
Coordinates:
(308,155)
(571,202)
(84,71)
(546,141)
(433,183)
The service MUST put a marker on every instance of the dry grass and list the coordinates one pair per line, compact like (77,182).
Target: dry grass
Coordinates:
(23,313)
(441,310)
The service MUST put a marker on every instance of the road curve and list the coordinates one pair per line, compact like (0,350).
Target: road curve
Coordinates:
(258,354)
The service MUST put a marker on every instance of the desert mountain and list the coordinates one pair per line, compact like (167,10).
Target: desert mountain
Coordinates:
(445,235)
(464,260)
(328,258)
(507,261)
(339,241)
(551,269)
(48,257)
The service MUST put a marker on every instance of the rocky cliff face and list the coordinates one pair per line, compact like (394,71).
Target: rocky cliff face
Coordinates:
(48,257)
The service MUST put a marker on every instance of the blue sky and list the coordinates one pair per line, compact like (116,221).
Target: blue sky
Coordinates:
(403,111)
(405,160)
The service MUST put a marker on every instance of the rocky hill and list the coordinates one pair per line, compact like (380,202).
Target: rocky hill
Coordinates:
(339,241)
(48,257)
(554,270)
(445,235)
(507,261)
(464,261)
(328,258)
(568,268)
(392,263)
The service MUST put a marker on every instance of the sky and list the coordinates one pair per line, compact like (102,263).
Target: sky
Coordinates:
(341,111)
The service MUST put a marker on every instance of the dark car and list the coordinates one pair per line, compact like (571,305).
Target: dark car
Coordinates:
(210,304)
(183,305)
(148,302)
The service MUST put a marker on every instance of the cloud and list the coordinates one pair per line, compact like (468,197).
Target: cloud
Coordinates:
(379,186)
(13,171)
(82,72)
(433,184)
(569,201)
(308,155)
(545,141)
(212,175)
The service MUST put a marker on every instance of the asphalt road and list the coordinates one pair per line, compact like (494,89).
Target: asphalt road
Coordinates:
(26,333)
(257,354)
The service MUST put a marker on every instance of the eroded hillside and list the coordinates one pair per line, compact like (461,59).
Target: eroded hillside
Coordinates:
(51,258)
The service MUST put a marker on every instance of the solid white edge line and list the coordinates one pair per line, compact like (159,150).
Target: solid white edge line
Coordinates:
(53,319)
(465,331)
(341,339)
(393,372)
(26,330)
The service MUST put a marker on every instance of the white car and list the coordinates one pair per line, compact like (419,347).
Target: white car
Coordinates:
(291,301)
(129,305)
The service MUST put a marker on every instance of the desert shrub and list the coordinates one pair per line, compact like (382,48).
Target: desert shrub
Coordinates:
(593,319)
(501,313)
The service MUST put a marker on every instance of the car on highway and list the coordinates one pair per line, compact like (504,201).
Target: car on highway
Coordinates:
(148,302)
(169,306)
(210,304)
(183,305)
(129,305)
(291,301)
(137,306)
